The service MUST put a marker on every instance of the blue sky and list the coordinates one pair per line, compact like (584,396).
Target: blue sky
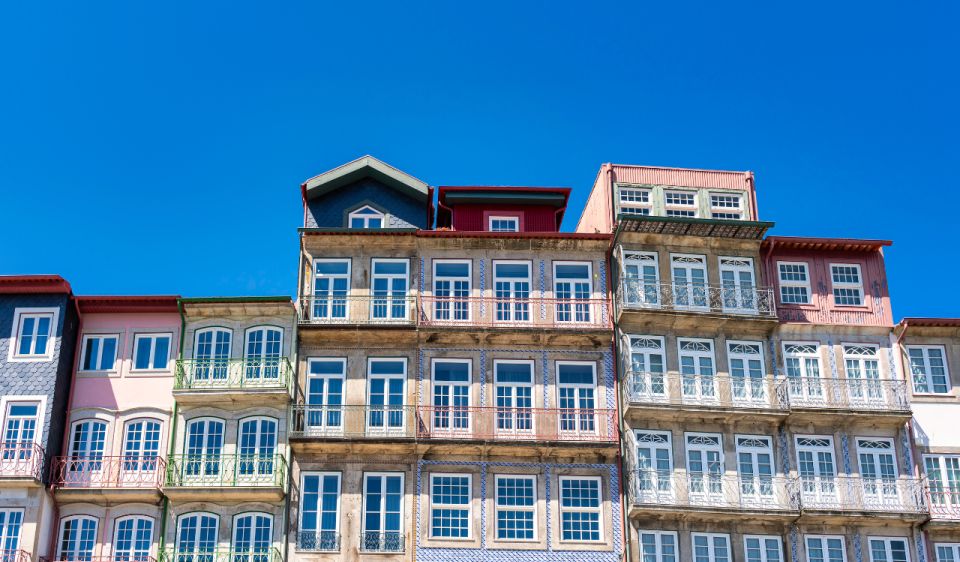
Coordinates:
(159,147)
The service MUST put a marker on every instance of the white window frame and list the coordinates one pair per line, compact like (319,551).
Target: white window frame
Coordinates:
(322,409)
(809,387)
(635,208)
(925,352)
(116,530)
(4,538)
(515,220)
(711,554)
(947,492)
(98,360)
(793,283)
(434,505)
(823,545)
(859,287)
(330,297)
(748,381)
(153,351)
(513,305)
(574,303)
(652,488)
(199,514)
(383,506)
(452,300)
(690,288)
(681,208)
(699,379)
(40,399)
(887,547)
(451,410)
(953,546)
(390,299)
(320,475)
(386,428)
(638,291)
(763,550)
(78,517)
(703,449)
(515,410)
(599,509)
(658,544)
(716,210)
(498,508)
(13,354)
(252,554)
(365,217)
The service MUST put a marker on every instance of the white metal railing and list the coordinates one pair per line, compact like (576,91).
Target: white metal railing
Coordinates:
(847,394)
(731,491)
(742,300)
(722,391)
(944,501)
(356,309)
(856,493)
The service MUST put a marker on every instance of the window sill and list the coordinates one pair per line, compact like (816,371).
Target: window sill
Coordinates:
(29,359)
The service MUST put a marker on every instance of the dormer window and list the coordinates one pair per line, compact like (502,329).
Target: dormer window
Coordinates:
(726,206)
(366,217)
(504,224)
(680,203)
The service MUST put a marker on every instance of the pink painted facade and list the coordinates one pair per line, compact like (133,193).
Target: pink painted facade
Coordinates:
(785,257)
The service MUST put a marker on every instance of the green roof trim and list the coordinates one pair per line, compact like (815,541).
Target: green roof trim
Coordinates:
(688,226)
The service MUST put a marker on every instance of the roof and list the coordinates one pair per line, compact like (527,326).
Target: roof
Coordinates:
(34,284)
(687,226)
(513,235)
(824,244)
(130,304)
(930,322)
(365,167)
(515,195)
(232,300)
(681,177)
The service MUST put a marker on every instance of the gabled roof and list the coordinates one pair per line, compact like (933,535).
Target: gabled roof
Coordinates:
(365,167)
(33,284)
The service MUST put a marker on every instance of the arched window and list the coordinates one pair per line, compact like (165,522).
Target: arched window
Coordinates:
(257,441)
(78,535)
(141,447)
(211,354)
(132,539)
(263,353)
(366,217)
(197,537)
(87,442)
(203,449)
(252,537)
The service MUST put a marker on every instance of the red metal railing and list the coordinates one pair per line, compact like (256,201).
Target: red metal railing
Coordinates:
(117,557)
(21,460)
(533,312)
(516,424)
(14,556)
(108,472)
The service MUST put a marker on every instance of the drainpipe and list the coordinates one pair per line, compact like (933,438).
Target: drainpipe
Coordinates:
(753,196)
(173,434)
(295,382)
(303,198)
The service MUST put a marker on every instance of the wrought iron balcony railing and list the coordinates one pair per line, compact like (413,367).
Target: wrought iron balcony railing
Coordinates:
(226,471)
(376,541)
(944,501)
(856,493)
(130,471)
(716,391)
(353,422)
(21,460)
(318,541)
(532,312)
(357,309)
(18,555)
(116,557)
(743,300)
(491,423)
(236,555)
(233,374)
(848,394)
(702,490)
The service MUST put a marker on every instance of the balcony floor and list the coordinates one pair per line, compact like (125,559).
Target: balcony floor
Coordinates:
(225,493)
(243,397)
(108,496)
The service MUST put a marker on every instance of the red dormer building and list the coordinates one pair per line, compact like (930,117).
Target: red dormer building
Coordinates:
(501,208)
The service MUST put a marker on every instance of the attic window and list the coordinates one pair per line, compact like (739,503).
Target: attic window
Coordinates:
(366,217)
(504,224)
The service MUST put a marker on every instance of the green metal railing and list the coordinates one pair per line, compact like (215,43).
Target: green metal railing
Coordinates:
(252,554)
(226,471)
(233,374)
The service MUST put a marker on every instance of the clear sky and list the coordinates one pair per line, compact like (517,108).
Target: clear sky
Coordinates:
(158,147)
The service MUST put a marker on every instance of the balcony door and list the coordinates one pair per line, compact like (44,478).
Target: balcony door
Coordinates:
(654,465)
(451,397)
(451,290)
(324,410)
(87,443)
(331,288)
(133,539)
(385,396)
(513,381)
(863,375)
(697,371)
(78,538)
(389,289)
(738,290)
(211,354)
(641,279)
(802,361)
(689,282)
(19,437)
(755,466)
(878,468)
(943,474)
(252,537)
(647,382)
(511,284)
(197,537)
(576,390)
(141,449)
(818,474)
(203,450)
(382,513)
(572,289)
(263,354)
(705,467)
(11,521)
(258,446)
(748,384)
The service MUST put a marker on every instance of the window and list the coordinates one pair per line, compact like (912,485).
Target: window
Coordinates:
(19,436)
(710,547)
(802,361)
(504,224)
(78,536)
(141,449)
(385,385)
(11,521)
(738,290)
(825,548)
(366,217)
(580,508)
(263,355)
(762,548)
(929,369)
(888,550)
(33,328)
(257,446)
(197,537)
(746,371)
(755,467)
(680,203)
(878,468)
(576,389)
(947,552)
(382,513)
(451,395)
(151,352)
(794,282)
(647,367)
(511,284)
(697,369)
(516,507)
(389,286)
(451,290)
(689,281)
(726,206)
(450,506)
(635,201)
(641,279)
(572,288)
(211,354)
(99,353)
(86,450)
(331,285)
(705,463)
(818,485)
(658,546)
(514,389)
(847,284)
(654,463)
(319,512)
(203,446)
(324,409)
(863,373)
(133,539)
(943,475)
(252,537)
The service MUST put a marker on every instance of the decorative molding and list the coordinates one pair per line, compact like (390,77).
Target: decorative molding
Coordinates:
(832,357)
(602,269)
(920,542)
(907,452)
(545,367)
(794,546)
(784,449)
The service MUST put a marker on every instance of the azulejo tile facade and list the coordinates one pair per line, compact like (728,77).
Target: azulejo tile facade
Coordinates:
(455,378)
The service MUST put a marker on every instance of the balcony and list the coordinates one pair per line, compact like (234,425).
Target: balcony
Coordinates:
(900,496)
(246,555)
(218,380)
(356,309)
(375,541)
(20,464)
(944,503)
(107,479)
(848,395)
(353,422)
(492,312)
(748,302)
(226,477)
(84,557)
(674,490)
(318,541)
(14,556)
(670,390)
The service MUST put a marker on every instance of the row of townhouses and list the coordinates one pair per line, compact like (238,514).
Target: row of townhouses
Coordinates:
(458,380)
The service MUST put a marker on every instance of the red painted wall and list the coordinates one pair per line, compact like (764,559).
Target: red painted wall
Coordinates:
(533,218)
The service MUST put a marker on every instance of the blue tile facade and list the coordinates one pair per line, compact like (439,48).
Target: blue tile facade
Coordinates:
(331,210)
